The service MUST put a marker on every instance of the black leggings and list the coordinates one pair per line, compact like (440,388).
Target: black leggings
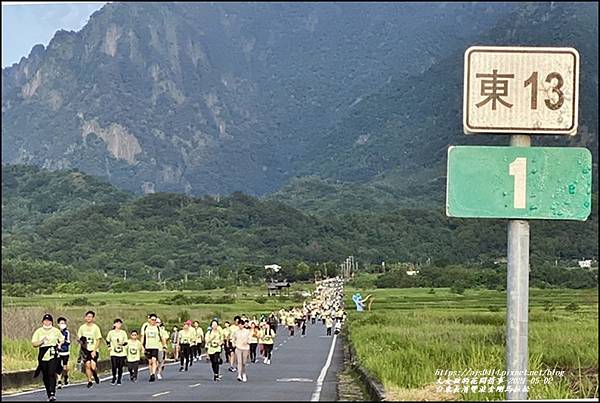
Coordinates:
(184,353)
(49,376)
(117,364)
(214,362)
(133,369)
(253,351)
(268,348)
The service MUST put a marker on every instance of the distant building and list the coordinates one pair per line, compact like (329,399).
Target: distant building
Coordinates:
(275,288)
(412,272)
(585,264)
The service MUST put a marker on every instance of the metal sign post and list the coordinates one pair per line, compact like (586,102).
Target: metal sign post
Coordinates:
(517,299)
(520,91)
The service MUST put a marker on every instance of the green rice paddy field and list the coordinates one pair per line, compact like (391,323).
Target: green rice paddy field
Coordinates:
(411,333)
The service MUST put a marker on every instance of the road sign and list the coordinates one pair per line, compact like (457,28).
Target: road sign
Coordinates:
(519,182)
(520,90)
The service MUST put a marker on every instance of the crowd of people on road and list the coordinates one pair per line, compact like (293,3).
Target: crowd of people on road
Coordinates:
(237,343)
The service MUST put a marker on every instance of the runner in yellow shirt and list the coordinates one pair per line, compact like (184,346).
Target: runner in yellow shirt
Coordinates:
(153,344)
(134,355)
(214,340)
(48,339)
(186,335)
(197,353)
(267,338)
(193,342)
(116,339)
(92,336)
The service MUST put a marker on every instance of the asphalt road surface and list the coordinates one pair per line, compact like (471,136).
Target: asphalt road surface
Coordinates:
(302,369)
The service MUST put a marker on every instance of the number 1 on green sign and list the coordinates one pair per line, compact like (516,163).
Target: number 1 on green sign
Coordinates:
(518,169)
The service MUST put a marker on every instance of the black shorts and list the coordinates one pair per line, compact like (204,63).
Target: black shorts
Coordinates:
(87,356)
(63,359)
(152,352)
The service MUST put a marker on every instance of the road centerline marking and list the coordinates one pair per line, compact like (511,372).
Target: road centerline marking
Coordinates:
(194,385)
(161,393)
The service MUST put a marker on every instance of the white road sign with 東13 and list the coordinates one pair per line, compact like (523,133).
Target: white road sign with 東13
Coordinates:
(521,90)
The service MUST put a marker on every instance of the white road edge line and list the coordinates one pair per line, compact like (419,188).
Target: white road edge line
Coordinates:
(161,393)
(72,384)
(317,393)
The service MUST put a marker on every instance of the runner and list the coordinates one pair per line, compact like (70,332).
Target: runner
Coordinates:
(162,353)
(214,341)
(199,341)
(185,339)
(134,355)
(241,342)
(254,333)
(291,322)
(116,340)
(152,342)
(175,343)
(192,344)
(89,352)
(47,338)
(229,347)
(63,352)
(267,337)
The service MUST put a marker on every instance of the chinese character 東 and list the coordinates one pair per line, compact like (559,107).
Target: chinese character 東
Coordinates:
(494,88)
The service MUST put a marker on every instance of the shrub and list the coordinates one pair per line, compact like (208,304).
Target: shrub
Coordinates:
(572,307)
(261,300)
(79,301)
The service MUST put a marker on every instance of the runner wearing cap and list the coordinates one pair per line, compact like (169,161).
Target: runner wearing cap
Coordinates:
(48,338)
(92,334)
(186,336)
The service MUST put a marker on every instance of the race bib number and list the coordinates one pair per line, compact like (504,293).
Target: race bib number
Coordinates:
(152,334)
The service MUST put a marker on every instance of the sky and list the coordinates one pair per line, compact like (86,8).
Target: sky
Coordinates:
(26,25)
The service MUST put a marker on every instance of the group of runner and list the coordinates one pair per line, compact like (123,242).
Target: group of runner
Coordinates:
(239,342)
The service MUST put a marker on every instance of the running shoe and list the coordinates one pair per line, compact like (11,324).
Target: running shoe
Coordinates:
(159,376)
(180,369)
(96,377)
(152,378)
(239,379)
(90,384)
(119,383)
(113,382)
(59,385)
(244,378)
(52,398)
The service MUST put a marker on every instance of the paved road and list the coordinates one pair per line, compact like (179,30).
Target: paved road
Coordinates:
(297,366)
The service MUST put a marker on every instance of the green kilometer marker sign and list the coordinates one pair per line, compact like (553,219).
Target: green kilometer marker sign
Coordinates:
(519,182)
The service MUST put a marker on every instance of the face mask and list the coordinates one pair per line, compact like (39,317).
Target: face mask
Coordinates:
(62,326)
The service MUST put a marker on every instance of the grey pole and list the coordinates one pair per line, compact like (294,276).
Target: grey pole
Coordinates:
(517,298)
